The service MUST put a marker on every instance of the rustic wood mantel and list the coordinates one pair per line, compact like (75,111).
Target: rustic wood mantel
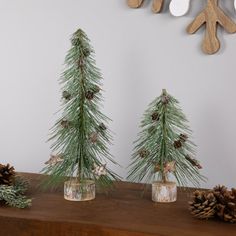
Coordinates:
(121,213)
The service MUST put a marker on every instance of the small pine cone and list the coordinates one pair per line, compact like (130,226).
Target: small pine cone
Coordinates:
(66,95)
(220,188)
(177,144)
(7,174)
(86,52)
(226,203)
(65,123)
(155,116)
(227,212)
(143,153)
(183,137)
(234,192)
(203,204)
(89,95)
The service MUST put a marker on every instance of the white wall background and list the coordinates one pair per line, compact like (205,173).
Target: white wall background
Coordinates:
(139,53)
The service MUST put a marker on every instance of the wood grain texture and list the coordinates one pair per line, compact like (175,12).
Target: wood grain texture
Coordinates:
(135,3)
(157,5)
(212,16)
(121,213)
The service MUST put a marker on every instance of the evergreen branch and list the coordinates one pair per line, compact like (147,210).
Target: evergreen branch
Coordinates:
(13,195)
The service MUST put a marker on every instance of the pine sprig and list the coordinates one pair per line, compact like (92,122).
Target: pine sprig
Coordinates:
(77,135)
(13,195)
(166,138)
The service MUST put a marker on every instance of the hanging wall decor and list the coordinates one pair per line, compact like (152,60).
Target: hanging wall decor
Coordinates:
(177,7)
(211,16)
(156,5)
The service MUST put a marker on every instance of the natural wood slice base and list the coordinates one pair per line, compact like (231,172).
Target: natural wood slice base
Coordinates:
(164,192)
(76,191)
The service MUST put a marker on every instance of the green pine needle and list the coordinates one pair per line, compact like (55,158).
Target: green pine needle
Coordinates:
(13,195)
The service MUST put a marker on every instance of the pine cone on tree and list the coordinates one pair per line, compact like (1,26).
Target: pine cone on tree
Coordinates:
(89,95)
(155,116)
(86,52)
(177,144)
(143,153)
(65,123)
(226,203)
(66,95)
(203,204)
(7,174)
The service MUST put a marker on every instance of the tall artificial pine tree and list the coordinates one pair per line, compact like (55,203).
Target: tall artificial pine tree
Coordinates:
(164,145)
(81,136)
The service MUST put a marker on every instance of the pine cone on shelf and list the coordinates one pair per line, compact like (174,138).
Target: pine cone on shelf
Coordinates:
(219,189)
(7,174)
(226,203)
(203,205)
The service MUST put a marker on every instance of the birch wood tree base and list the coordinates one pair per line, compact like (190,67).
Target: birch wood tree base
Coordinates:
(75,191)
(164,192)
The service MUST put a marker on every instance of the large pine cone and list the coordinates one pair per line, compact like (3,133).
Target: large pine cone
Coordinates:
(226,203)
(7,174)
(203,204)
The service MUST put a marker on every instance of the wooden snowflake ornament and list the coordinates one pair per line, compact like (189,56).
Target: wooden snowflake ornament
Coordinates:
(99,170)
(177,7)
(54,159)
(211,16)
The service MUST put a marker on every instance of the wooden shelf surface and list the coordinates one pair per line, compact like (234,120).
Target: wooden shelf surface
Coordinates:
(121,213)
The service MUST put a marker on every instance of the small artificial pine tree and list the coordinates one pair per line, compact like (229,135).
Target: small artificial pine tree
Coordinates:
(164,145)
(81,135)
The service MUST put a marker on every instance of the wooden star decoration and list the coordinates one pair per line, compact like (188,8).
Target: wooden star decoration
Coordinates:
(54,159)
(212,16)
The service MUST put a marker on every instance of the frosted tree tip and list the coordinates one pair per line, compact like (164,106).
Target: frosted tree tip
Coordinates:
(164,92)
(77,36)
